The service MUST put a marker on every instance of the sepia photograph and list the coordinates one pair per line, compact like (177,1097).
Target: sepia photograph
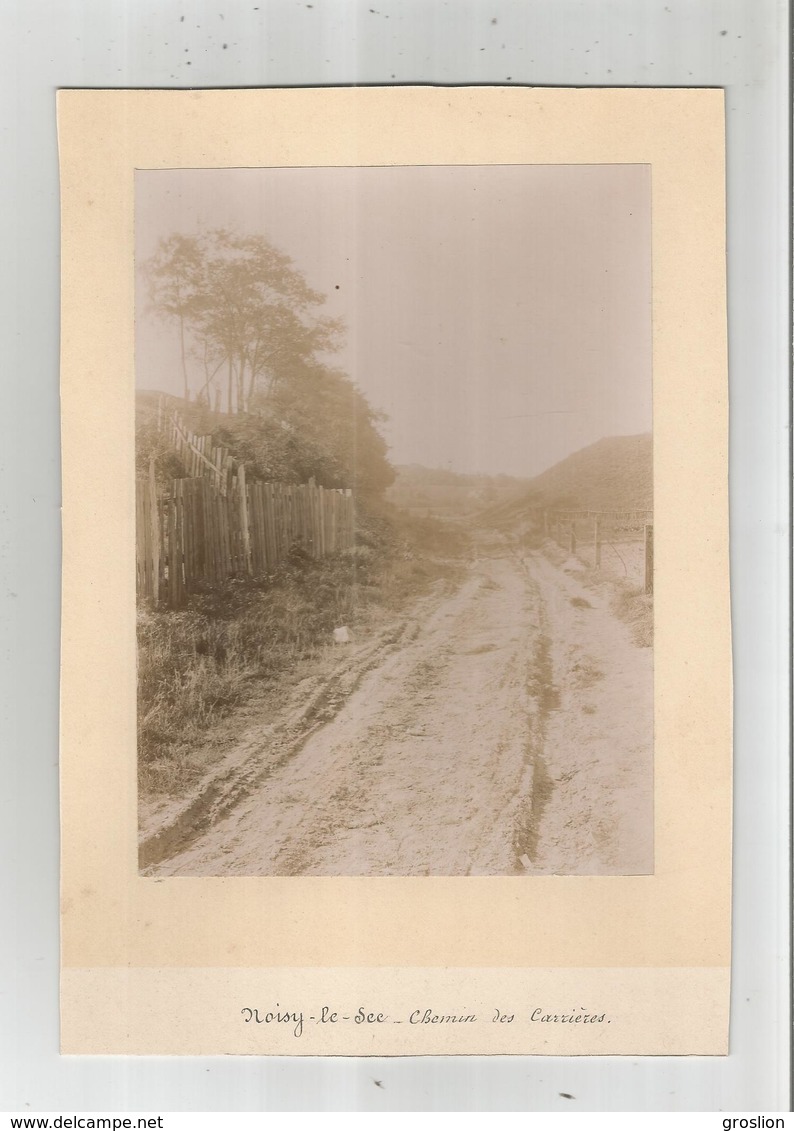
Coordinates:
(394,521)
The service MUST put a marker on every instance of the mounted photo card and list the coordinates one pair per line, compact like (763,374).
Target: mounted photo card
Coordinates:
(396,663)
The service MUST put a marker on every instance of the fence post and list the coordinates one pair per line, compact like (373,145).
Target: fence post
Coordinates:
(596,544)
(154,532)
(246,537)
(649,557)
(350,524)
(175,587)
(573,538)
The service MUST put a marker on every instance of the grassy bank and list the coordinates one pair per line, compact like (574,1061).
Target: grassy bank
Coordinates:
(628,601)
(198,665)
(634,606)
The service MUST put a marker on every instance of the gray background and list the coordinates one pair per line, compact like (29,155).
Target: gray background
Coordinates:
(740,45)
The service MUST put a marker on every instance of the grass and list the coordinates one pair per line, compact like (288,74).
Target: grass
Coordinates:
(200,664)
(634,606)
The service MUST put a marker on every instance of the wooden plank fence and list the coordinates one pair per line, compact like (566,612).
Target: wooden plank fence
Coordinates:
(200,534)
(198,453)
(214,525)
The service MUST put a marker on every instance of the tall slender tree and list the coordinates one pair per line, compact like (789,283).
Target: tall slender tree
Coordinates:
(241,307)
(174,275)
(252,327)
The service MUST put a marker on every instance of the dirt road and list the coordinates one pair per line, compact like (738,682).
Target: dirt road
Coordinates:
(507,732)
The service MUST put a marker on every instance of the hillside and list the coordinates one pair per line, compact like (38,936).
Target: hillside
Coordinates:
(443,493)
(615,473)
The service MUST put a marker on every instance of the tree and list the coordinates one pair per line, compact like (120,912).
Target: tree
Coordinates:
(334,428)
(250,320)
(174,275)
(247,313)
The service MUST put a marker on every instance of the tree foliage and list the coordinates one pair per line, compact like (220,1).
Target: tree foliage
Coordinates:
(250,322)
(244,311)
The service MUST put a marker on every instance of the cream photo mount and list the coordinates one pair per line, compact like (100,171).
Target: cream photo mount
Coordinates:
(175,966)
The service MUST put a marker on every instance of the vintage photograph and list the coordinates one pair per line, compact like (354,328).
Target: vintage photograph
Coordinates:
(394,521)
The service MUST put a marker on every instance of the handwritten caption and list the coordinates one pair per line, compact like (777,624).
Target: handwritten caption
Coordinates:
(297,1021)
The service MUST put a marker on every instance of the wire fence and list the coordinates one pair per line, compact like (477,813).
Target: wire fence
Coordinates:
(613,541)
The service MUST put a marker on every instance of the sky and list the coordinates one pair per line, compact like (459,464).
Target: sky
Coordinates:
(499,315)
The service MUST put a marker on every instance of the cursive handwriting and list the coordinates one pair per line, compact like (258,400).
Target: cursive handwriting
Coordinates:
(568,1018)
(423,1015)
(295,1019)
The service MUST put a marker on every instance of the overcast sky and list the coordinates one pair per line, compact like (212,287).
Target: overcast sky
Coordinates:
(499,315)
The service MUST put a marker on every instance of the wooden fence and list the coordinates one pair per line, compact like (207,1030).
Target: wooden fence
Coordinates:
(201,533)
(199,455)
